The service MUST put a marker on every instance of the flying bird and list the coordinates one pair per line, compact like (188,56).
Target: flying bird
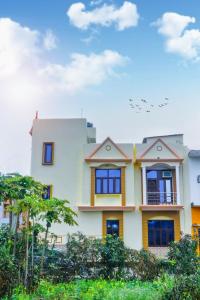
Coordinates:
(143,105)
(143,100)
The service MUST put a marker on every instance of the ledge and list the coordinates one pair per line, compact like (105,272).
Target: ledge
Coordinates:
(162,160)
(110,160)
(106,208)
(161,207)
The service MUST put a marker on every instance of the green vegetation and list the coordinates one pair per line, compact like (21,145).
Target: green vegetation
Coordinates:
(165,288)
(88,268)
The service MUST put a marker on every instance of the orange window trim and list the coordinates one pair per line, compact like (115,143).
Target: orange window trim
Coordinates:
(111,215)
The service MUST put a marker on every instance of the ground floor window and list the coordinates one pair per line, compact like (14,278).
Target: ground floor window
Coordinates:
(112,227)
(160,233)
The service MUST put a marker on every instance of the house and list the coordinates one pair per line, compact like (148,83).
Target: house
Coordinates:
(194,176)
(139,192)
(161,180)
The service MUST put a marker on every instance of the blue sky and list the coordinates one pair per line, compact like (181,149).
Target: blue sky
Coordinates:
(140,60)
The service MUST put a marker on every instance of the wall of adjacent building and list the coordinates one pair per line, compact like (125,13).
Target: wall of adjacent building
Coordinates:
(194,172)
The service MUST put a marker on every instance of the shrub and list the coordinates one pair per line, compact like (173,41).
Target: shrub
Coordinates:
(80,259)
(184,288)
(8,271)
(183,257)
(145,266)
(113,257)
(94,258)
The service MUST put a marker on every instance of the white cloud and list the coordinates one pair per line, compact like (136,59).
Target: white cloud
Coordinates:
(123,17)
(95,2)
(27,74)
(172,24)
(50,40)
(179,39)
(83,70)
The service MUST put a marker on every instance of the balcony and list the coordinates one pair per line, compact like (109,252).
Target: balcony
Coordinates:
(161,188)
(161,198)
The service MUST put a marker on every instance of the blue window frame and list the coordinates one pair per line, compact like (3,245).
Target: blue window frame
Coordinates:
(108,181)
(160,233)
(48,149)
(112,227)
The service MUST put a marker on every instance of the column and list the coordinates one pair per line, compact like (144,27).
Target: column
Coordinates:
(178,185)
(144,185)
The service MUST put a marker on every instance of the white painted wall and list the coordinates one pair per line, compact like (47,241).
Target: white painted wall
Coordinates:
(194,171)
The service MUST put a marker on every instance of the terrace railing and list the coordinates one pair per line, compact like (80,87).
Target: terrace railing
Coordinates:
(161,198)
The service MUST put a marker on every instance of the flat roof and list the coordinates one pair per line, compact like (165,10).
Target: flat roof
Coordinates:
(160,136)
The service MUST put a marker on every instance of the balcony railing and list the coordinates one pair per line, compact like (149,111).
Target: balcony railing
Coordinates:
(157,198)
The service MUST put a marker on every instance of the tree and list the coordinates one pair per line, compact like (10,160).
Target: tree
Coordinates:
(19,190)
(56,211)
(26,201)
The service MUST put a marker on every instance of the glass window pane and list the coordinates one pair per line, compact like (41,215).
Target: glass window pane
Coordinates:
(101,173)
(98,186)
(150,237)
(164,238)
(111,186)
(117,186)
(48,153)
(157,237)
(105,186)
(114,173)
(151,174)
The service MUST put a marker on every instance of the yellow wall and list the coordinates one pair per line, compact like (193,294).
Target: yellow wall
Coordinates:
(148,215)
(195,215)
(196,221)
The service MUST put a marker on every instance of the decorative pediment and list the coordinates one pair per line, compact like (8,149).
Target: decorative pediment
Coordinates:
(159,150)
(108,151)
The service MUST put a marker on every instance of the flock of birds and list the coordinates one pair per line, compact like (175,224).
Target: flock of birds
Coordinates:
(142,105)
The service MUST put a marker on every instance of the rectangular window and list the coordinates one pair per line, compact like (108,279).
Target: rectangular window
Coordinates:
(112,227)
(160,233)
(47,192)
(108,181)
(48,152)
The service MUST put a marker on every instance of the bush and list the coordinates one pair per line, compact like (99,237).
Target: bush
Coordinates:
(183,257)
(184,288)
(113,258)
(8,271)
(145,266)
(94,258)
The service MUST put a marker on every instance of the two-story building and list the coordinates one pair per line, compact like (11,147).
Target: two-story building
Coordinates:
(140,192)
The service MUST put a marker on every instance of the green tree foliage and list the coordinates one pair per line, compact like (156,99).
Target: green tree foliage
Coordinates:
(26,201)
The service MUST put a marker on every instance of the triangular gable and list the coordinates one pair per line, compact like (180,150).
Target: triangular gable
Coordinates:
(108,150)
(159,150)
